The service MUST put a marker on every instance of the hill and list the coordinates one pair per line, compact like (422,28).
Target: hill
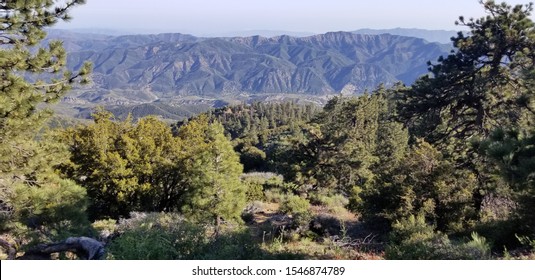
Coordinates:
(136,69)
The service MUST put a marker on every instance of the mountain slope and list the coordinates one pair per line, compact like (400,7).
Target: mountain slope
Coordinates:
(143,68)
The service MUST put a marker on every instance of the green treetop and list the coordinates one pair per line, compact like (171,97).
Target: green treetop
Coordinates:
(481,85)
(31,75)
(214,190)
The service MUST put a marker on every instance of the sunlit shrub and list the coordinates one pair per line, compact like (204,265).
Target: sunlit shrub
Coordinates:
(414,239)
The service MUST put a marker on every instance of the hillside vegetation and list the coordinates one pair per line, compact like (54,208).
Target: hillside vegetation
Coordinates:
(440,169)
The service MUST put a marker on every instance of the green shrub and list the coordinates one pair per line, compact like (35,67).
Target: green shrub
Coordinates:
(252,158)
(157,237)
(527,242)
(476,249)
(56,209)
(290,188)
(235,245)
(260,184)
(293,204)
(335,203)
(301,222)
(275,181)
(274,195)
(254,190)
(414,239)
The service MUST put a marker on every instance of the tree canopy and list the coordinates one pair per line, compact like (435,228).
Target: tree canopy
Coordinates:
(481,85)
(32,75)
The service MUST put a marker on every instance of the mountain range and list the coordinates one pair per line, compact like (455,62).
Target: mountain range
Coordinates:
(177,69)
(439,36)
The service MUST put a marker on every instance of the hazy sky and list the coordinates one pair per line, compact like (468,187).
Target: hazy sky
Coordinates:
(215,17)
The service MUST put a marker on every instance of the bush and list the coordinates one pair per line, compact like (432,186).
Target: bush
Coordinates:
(274,195)
(274,181)
(55,209)
(326,225)
(252,158)
(105,228)
(335,203)
(157,237)
(235,245)
(260,184)
(254,189)
(414,239)
(293,204)
(301,222)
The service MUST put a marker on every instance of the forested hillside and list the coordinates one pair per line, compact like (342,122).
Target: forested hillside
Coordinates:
(440,169)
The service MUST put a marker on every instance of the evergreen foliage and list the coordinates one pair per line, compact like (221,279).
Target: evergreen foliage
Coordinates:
(158,237)
(129,167)
(256,129)
(427,165)
(480,86)
(423,184)
(124,166)
(31,76)
(293,204)
(514,153)
(213,190)
(413,239)
(346,145)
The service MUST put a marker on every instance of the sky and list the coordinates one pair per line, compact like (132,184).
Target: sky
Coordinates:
(220,17)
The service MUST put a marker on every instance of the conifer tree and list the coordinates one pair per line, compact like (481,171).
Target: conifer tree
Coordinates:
(29,78)
(514,152)
(480,86)
(31,75)
(214,191)
(124,166)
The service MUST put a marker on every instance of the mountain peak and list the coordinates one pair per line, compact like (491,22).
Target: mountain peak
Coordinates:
(133,68)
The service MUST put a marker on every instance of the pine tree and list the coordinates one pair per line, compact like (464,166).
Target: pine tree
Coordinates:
(348,142)
(32,75)
(29,78)
(424,183)
(214,191)
(514,152)
(480,86)
(483,85)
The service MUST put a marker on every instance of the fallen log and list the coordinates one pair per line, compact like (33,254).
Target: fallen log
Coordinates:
(84,247)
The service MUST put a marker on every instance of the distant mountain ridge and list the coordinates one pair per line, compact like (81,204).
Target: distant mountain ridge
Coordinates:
(136,69)
(440,36)
(263,33)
